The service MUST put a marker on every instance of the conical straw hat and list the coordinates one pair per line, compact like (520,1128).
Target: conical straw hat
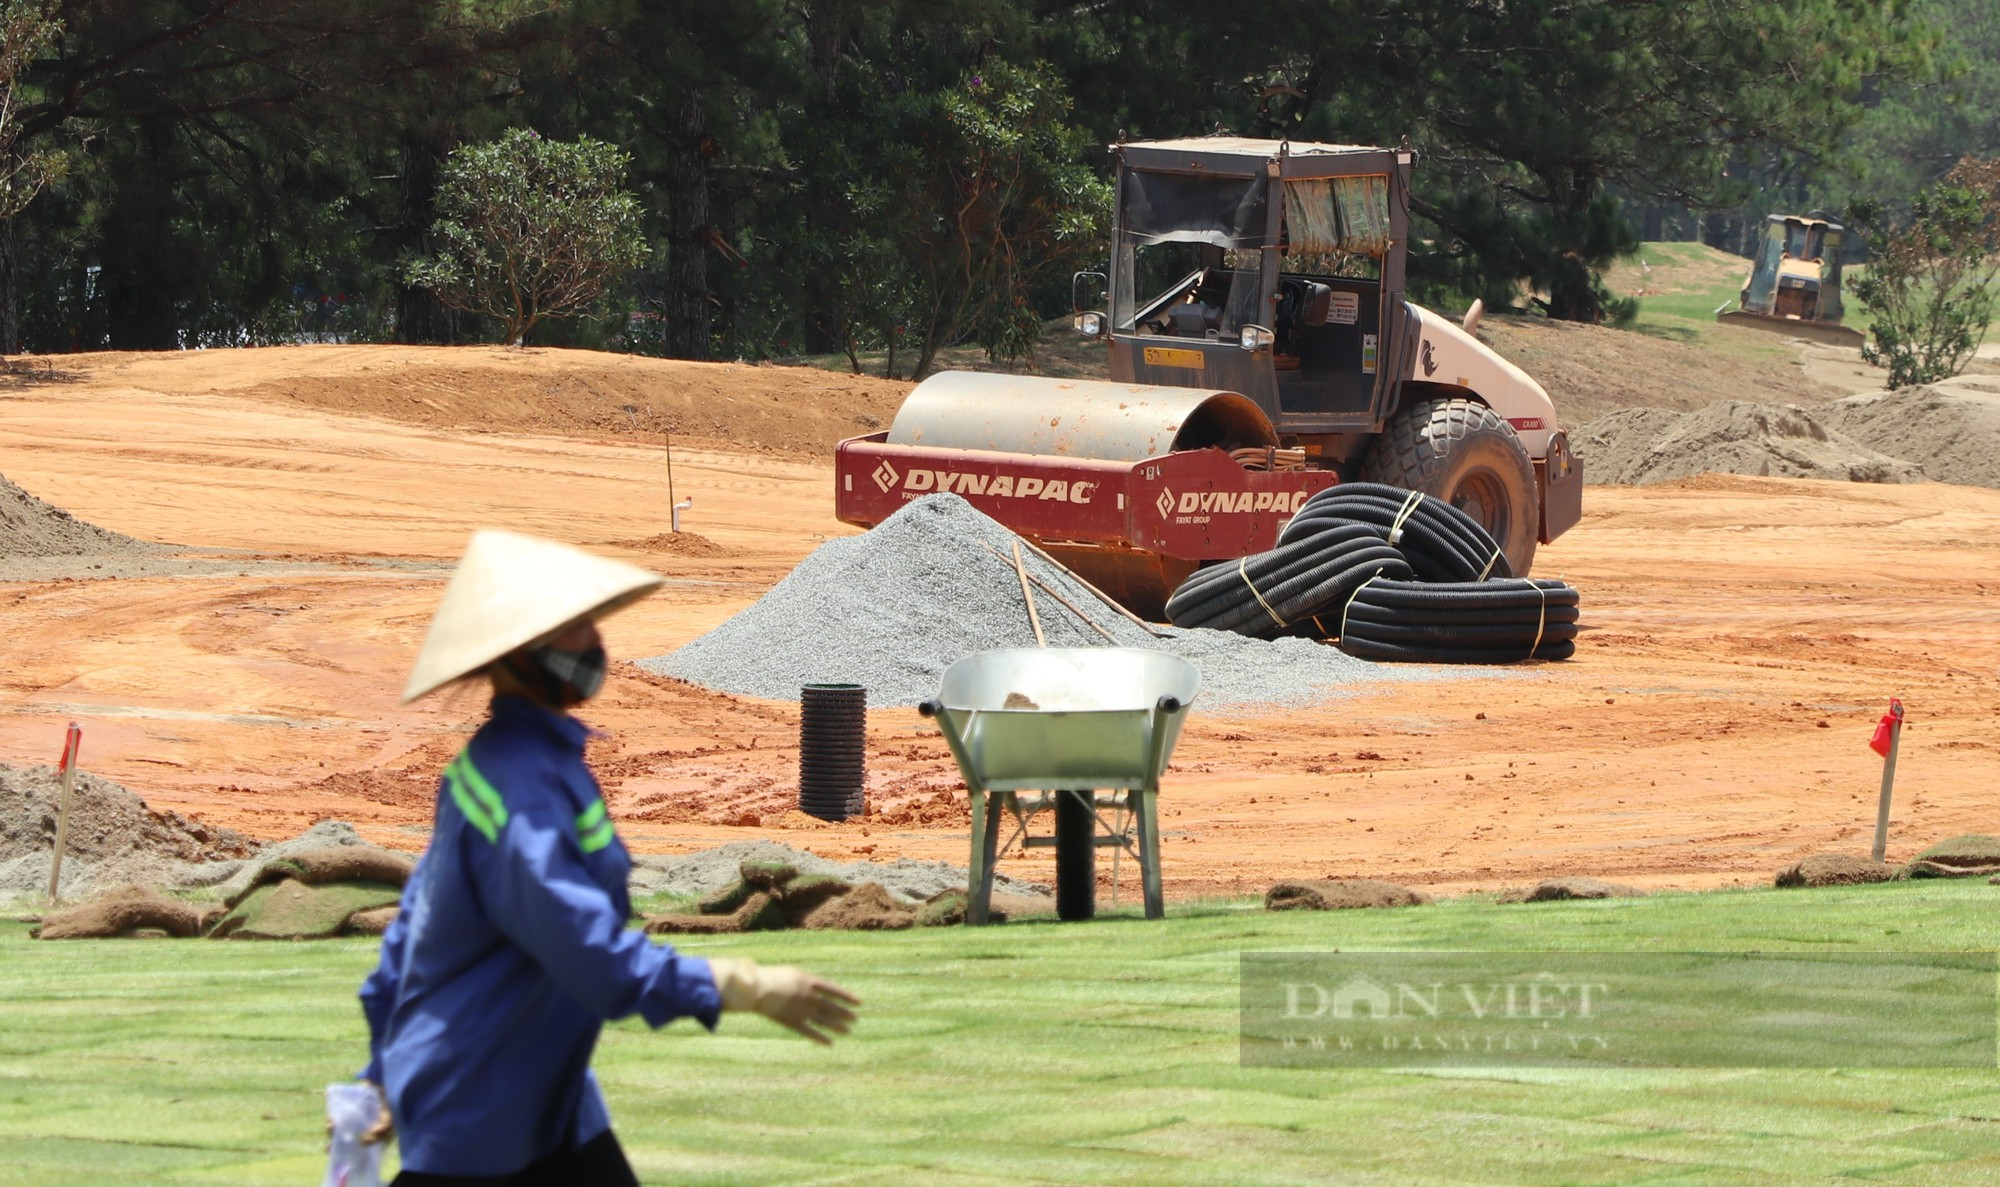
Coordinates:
(511,590)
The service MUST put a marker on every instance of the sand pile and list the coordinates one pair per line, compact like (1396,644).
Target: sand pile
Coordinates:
(891,609)
(1951,429)
(31,528)
(114,838)
(1637,446)
(688,544)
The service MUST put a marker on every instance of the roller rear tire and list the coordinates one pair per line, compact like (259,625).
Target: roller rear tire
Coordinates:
(1466,454)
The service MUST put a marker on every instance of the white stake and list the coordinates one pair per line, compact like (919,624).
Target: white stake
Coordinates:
(1895,723)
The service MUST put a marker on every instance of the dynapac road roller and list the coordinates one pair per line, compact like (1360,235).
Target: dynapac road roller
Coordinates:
(1260,350)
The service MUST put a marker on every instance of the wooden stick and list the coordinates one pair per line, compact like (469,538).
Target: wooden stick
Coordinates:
(1028,596)
(1099,594)
(1050,590)
(72,743)
(1053,592)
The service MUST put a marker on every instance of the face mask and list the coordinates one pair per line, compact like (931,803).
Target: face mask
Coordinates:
(567,677)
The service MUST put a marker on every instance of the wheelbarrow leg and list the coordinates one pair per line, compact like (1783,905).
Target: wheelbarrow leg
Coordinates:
(1146,808)
(985,854)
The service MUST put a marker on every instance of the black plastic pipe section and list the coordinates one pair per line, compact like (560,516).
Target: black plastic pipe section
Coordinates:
(1471,622)
(833,750)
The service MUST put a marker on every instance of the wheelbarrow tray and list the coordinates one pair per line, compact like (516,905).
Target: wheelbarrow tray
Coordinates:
(1047,718)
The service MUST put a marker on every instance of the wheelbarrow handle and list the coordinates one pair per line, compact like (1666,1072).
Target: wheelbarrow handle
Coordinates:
(930,708)
(1168,704)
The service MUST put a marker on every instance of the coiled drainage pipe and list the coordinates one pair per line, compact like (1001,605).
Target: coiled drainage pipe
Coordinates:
(1391,574)
(1271,592)
(1440,542)
(1482,622)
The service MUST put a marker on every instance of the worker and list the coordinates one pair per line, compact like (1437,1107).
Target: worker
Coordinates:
(511,947)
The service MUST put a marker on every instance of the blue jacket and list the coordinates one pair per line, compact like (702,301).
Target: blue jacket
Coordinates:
(509,953)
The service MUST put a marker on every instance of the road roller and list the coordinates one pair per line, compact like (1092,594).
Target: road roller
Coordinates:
(1260,349)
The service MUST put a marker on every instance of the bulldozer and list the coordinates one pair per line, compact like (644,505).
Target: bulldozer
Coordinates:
(1261,349)
(1794,282)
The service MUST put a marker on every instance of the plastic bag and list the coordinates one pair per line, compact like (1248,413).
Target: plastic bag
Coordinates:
(351,1108)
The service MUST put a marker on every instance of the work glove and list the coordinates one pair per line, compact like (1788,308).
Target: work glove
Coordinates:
(790,997)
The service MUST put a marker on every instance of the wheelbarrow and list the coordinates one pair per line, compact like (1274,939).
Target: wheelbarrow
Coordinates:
(1068,723)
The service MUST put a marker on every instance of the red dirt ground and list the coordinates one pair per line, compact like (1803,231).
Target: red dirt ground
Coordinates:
(1741,635)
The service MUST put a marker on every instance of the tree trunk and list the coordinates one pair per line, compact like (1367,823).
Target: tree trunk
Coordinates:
(1572,287)
(420,317)
(10,321)
(684,305)
(143,272)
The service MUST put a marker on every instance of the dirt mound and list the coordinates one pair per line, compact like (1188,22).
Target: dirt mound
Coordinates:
(1591,370)
(1951,429)
(867,907)
(1639,446)
(1555,890)
(122,912)
(677,544)
(1341,894)
(540,390)
(31,528)
(113,837)
(1835,869)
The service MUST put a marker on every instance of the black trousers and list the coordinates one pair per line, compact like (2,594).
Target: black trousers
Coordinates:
(599,1162)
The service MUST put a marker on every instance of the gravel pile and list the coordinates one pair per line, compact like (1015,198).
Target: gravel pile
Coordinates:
(891,609)
(114,838)
(696,874)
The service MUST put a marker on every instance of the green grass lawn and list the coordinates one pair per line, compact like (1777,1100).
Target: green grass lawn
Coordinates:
(1032,1053)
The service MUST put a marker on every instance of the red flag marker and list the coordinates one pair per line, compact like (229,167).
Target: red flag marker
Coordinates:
(1885,729)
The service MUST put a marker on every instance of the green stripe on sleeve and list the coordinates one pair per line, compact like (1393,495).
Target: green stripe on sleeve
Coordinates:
(469,807)
(593,828)
(488,798)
